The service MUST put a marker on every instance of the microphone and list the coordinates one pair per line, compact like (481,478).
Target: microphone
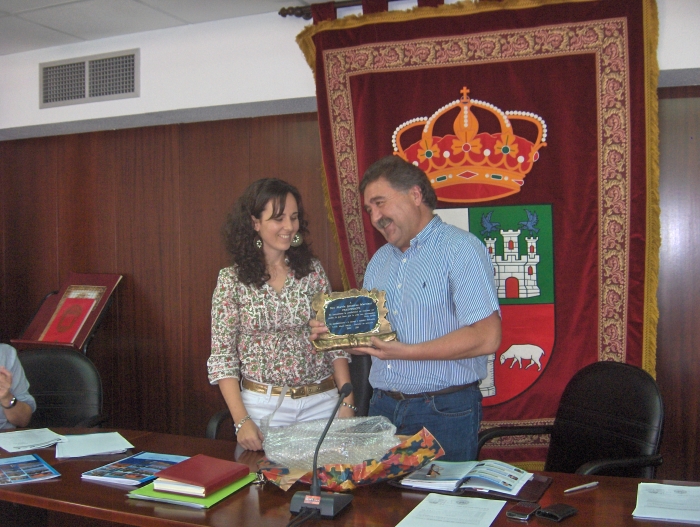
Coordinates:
(329,503)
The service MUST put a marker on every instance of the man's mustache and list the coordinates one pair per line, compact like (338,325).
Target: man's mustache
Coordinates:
(383,222)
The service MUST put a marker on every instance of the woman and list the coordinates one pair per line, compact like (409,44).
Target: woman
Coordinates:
(260,314)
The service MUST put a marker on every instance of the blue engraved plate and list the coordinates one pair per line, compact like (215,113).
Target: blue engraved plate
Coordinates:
(349,316)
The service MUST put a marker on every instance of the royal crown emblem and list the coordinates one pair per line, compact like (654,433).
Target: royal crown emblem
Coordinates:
(467,165)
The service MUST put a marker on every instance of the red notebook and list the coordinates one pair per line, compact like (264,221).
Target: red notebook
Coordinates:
(199,475)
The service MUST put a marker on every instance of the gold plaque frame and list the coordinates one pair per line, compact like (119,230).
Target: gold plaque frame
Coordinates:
(331,341)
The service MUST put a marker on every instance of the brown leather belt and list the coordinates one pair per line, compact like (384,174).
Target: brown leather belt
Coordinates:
(401,396)
(295,392)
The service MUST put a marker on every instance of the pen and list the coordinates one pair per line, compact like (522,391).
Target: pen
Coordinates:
(581,487)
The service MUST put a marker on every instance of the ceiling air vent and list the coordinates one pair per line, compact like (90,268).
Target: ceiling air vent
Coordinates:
(89,79)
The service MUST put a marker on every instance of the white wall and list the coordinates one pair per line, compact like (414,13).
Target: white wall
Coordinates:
(679,34)
(233,62)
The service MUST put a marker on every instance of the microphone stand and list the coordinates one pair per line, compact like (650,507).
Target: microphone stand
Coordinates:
(329,503)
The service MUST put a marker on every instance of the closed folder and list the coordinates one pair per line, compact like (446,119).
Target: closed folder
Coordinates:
(199,475)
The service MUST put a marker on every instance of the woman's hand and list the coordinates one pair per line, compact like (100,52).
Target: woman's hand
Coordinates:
(346,412)
(317,329)
(249,436)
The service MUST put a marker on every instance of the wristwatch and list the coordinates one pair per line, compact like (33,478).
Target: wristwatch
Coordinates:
(13,402)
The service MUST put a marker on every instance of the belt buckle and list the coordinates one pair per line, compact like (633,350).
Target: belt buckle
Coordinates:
(297,392)
(397,396)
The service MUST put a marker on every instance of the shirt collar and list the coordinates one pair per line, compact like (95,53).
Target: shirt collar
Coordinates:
(423,235)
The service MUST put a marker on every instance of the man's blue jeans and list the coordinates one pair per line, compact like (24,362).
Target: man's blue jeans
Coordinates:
(452,418)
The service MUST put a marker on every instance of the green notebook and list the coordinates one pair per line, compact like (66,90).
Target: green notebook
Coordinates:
(147,493)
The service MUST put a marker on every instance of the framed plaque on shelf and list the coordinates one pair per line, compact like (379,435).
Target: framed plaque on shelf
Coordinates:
(68,318)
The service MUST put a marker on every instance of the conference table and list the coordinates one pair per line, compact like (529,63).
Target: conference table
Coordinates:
(381,505)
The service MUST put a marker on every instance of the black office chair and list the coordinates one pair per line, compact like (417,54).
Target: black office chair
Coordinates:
(66,386)
(609,422)
(359,377)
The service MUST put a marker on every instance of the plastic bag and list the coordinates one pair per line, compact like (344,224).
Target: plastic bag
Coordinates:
(349,441)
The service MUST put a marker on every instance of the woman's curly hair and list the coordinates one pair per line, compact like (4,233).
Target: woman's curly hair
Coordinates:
(240,236)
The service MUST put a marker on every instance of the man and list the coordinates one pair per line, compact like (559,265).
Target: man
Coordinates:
(16,402)
(442,303)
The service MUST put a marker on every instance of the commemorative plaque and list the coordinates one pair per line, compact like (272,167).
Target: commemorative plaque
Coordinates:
(352,318)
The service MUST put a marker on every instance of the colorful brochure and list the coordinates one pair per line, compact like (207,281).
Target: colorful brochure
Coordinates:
(484,476)
(133,470)
(25,469)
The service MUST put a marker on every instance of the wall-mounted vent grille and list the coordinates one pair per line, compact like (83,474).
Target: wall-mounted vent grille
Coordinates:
(90,79)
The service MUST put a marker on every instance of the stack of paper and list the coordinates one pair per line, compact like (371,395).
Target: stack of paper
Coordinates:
(437,509)
(29,439)
(678,503)
(92,445)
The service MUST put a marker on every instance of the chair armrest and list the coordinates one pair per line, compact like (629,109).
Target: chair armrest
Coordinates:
(595,467)
(215,421)
(92,422)
(492,433)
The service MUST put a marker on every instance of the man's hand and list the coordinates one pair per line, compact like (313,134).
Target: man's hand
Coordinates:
(481,338)
(384,350)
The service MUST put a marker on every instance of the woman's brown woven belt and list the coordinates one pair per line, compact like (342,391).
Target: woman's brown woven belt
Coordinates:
(295,392)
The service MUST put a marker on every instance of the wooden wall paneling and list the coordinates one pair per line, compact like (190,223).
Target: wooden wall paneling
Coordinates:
(148,254)
(289,147)
(86,204)
(87,236)
(678,355)
(214,168)
(30,230)
(5,156)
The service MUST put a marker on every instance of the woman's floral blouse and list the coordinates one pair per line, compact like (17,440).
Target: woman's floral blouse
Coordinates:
(264,335)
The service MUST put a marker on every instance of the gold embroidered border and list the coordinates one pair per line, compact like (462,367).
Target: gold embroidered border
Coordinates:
(605,39)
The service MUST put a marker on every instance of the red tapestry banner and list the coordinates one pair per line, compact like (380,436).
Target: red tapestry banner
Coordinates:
(536,124)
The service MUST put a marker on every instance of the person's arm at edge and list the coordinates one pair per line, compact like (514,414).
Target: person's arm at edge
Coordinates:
(481,338)
(21,413)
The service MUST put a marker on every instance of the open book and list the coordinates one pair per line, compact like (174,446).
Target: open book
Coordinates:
(485,476)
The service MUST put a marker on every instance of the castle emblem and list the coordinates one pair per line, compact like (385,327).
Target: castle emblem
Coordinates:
(470,165)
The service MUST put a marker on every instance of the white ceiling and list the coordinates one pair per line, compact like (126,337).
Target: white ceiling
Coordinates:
(32,24)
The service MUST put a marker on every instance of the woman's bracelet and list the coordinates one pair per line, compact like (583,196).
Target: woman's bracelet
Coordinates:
(242,422)
(352,407)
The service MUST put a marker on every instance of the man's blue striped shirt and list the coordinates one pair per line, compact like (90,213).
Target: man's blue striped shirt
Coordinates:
(444,281)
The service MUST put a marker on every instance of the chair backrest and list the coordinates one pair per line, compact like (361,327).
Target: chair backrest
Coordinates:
(359,376)
(608,410)
(65,384)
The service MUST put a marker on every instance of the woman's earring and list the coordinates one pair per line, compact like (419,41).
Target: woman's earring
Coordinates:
(297,240)
(258,243)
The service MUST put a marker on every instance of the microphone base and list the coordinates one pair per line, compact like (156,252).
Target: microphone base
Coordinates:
(330,503)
